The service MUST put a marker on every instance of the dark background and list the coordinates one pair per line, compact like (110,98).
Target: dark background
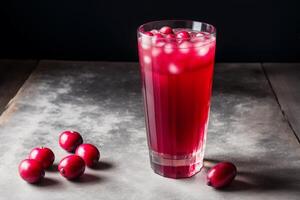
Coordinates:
(248,30)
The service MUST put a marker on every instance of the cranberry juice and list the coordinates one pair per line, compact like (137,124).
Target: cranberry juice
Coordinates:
(177,69)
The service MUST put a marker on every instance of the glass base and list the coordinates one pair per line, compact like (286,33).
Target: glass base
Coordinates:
(171,166)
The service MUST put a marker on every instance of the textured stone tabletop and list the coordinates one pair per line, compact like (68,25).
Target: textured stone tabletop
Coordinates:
(103,101)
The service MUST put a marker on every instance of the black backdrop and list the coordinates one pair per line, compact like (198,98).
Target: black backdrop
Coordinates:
(248,30)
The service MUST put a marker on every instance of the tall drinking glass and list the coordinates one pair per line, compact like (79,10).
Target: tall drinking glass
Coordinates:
(176,63)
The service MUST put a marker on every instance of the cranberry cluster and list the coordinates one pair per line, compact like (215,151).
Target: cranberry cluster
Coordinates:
(33,169)
(168,34)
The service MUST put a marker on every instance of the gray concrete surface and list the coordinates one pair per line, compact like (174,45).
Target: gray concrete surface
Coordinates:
(103,102)
(285,80)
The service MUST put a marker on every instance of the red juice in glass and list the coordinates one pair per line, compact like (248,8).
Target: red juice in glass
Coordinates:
(176,64)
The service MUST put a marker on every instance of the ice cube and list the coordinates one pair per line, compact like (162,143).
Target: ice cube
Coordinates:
(160,44)
(154,31)
(185,47)
(173,69)
(156,51)
(200,34)
(199,44)
(146,42)
(169,48)
(145,46)
(203,50)
(147,60)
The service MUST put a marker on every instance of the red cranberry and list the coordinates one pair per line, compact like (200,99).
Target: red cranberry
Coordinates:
(148,33)
(43,155)
(31,170)
(89,153)
(157,37)
(166,30)
(183,35)
(221,175)
(70,140)
(170,37)
(71,167)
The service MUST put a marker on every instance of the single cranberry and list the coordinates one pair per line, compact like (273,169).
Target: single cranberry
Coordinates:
(182,35)
(166,30)
(43,155)
(89,153)
(148,33)
(221,175)
(71,167)
(170,37)
(31,170)
(157,37)
(70,140)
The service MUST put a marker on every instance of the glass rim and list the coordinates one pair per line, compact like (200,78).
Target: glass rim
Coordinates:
(142,32)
